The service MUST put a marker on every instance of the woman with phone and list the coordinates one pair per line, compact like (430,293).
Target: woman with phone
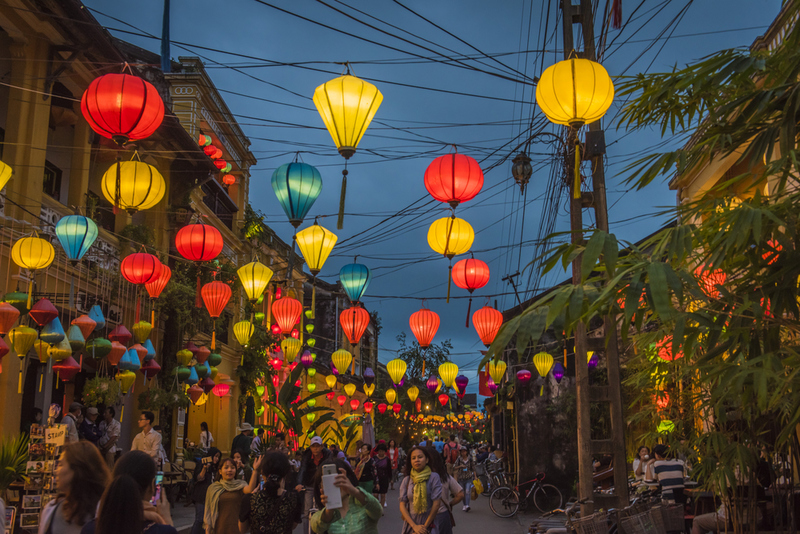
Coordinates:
(205,474)
(420,493)
(274,509)
(359,512)
(127,506)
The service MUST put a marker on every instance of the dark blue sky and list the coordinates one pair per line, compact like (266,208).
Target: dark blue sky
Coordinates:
(415,125)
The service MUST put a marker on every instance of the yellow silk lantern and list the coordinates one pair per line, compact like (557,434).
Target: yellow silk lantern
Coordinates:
(125,379)
(243,330)
(543,362)
(60,351)
(316,244)
(589,354)
(341,360)
(312,387)
(369,390)
(347,105)
(133,185)
(496,370)
(22,338)
(5,174)
(391,395)
(413,393)
(450,236)
(254,277)
(331,381)
(397,369)
(311,417)
(32,253)
(141,331)
(448,371)
(290,347)
(574,92)
(349,389)
(184,357)
(41,348)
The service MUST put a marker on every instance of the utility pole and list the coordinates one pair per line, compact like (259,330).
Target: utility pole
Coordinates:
(510,280)
(586,394)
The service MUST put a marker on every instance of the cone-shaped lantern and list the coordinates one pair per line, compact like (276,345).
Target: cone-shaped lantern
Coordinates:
(543,362)
(67,369)
(290,347)
(497,369)
(141,331)
(85,323)
(98,348)
(8,316)
(316,244)
(157,285)
(5,174)
(43,312)
(354,322)
(297,186)
(53,332)
(243,330)
(350,389)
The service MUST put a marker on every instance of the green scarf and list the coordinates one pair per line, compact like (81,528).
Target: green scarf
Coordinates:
(420,480)
(213,494)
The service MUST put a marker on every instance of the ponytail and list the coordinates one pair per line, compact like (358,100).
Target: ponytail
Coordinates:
(274,467)
(272,484)
(121,508)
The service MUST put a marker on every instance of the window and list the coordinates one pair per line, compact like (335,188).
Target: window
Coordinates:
(52,180)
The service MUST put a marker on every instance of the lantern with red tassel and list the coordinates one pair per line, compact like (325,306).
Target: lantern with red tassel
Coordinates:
(198,243)
(216,295)
(287,312)
(368,407)
(354,403)
(487,321)
(396,408)
(453,178)
(140,268)
(470,274)
(354,322)
(444,398)
(341,399)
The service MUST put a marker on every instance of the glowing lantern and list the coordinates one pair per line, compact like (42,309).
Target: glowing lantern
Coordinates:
(316,244)
(369,389)
(354,403)
(497,368)
(397,369)
(297,186)
(493,387)
(558,372)
(453,178)
(243,330)
(470,274)
(413,393)
(203,140)
(254,277)
(220,390)
(771,255)
(543,362)
(8,316)
(354,323)
(122,107)
(306,359)
(355,279)
(709,280)
(215,295)
(432,384)
(347,106)
(210,151)
(5,174)
(461,383)
(290,347)
(391,395)
(662,400)
(312,387)
(229,179)
(443,399)
(369,376)
(574,92)
(396,408)
(133,185)
(331,381)
(450,236)
(76,234)
(382,408)
(664,350)
(487,321)
(448,371)
(140,268)
(157,285)
(32,253)
(220,164)
(22,338)
(350,389)
(341,360)
(368,407)
(424,324)
(523,377)
(341,399)
(287,312)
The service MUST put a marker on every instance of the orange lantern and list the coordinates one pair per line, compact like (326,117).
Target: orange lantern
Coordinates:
(354,322)
(287,312)
(487,321)
(216,295)
(424,324)
(664,350)
(368,407)
(709,280)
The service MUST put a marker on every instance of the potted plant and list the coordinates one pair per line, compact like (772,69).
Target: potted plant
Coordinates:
(100,390)
(13,460)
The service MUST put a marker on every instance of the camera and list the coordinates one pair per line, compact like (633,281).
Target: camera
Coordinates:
(206,460)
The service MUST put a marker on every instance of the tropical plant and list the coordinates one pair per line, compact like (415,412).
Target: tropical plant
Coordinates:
(156,399)
(101,391)
(13,460)
(417,358)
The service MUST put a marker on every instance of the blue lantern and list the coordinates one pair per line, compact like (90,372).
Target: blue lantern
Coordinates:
(193,378)
(355,278)
(297,186)
(96,314)
(151,350)
(53,333)
(76,234)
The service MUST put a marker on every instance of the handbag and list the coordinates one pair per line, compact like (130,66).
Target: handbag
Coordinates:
(478,485)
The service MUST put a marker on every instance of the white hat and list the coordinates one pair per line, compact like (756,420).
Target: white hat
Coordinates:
(316,440)
(245,426)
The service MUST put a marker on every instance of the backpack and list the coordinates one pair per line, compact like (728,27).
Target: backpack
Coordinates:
(451,454)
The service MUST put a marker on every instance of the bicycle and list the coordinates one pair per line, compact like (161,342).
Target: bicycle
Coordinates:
(505,501)
(547,525)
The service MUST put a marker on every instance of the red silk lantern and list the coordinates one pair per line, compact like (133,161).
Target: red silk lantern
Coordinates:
(43,312)
(67,369)
(140,268)
(217,154)
(354,322)
(199,242)
(220,163)
(444,399)
(424,324)
(120,334)
(418,404)
(341,399)
(287,312)
(220,390)
(157,285)
(470,274)
(209,150)
(216,295)
(664,350)
(396,408)
(150,368)
(453,178)
(487,321)
(354,404)
(368,407)
(382,408)
(8,316)
(709,280)
(330,395)
(122,107)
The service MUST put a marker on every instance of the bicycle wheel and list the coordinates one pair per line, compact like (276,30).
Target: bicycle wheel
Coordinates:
(504,502)
(547,498)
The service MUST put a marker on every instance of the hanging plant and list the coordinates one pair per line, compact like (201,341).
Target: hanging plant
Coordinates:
(100,390)
(155,399)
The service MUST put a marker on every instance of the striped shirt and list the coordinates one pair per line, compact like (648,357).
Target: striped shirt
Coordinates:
(670,476)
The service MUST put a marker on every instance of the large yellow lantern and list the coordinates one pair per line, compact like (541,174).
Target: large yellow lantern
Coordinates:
(32,253)
(413,393)
(574,92)
(350,389)
(448,371)
(316,244)
(397,369)
(391,396)
(5,174)
(497,369)
(133,185)
(331,381)
(450,236)
(290,347)
(254,277)
(341,360)
(543,362)
(243,330)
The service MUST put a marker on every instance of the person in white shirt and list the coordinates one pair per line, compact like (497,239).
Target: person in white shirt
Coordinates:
(148,440)
(640,463)
(206,439)
(111,429)
(72,420)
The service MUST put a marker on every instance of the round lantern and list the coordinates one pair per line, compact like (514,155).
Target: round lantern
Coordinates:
(122,107)
(461,382)
(32,253)
(413,393)
(199,242)
(543,362)
(341,399)
(432,384)
(350,389)
(355,278)
(396,408)
(220,164)
(487,321)
(341,360)
(312,387)
(397,369)
(391,395)
(424,324)
(354,323)
(243,330)
(448,371)
(220,390)
(470,274)
(157,285)
(5,174)
(382,408)
(444,399)
(297,186)
(523,377)
(133,186)
(306,359)
(254,277)
(76,234)
(574,92)
(450,236)
(287,312)
(497,368)
(140,268)
(453,178)
(229,179)
(290,347)
(210,150)
(331,381)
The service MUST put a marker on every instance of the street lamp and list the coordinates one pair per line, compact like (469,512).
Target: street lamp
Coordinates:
(521,170)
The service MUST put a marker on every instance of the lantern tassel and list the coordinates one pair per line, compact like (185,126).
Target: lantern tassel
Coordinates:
(313,297)
(449,279)
(469,309)
(423,367)
(30,293)
(138,306)
(121,413)
(153,316)
(197,303)
(577,192)
(340,221)
(214,336)
(20,379)
(72,292)
(41,379)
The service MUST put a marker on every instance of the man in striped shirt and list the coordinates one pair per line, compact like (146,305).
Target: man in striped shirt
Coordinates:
(669,473)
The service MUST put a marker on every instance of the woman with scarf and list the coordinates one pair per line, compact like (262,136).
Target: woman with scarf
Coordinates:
(365,470)
(420,493)
(224,498)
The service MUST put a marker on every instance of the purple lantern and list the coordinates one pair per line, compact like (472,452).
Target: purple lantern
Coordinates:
(491,385)
(558,372)
(593,361)
(461,383)
(523,377)
(307,359)
(402,381)
(369,376)
(432,384)
(334,371)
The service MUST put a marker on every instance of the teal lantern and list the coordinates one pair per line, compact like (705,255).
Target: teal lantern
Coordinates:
(355,278)
(129,361)
(193,378)
(96,314)
(53,333)
(76,234)
(151,350)
(297,186)
(75,338)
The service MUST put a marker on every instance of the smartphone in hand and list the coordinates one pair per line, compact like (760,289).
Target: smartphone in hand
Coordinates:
(332,492)
(157,492)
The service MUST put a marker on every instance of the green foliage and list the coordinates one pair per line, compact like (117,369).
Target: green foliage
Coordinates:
(414,356)
(255,362)
(156,399)
(13,460)
(136,235)
(101,391)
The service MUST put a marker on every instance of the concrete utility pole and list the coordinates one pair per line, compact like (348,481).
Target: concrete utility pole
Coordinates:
(593,151)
